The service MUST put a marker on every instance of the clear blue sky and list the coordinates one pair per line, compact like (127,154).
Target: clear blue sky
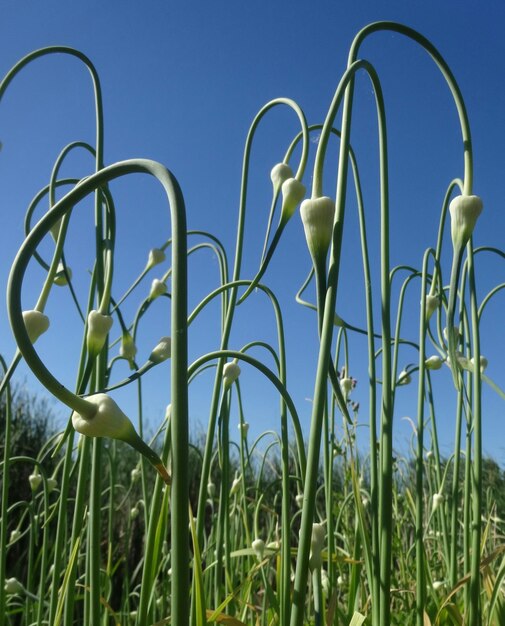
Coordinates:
(181,83)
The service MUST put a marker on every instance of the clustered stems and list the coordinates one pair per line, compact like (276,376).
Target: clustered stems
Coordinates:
(275,539)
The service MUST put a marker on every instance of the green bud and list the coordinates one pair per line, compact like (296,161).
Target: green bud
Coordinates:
(258,545)
(61,275)
(128,349)
(13,586)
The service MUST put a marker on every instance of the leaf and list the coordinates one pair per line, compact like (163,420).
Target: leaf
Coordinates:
(357,619)
(222,618)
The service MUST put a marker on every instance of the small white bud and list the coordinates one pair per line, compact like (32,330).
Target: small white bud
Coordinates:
(108,420)
(52,483)
(128,349)
(464,212)
(158,288)
(299,500)
(134,513)
(135,474)
(13,586)
(35,479)
(325,582)
(346,386)
(235,486)
(244,429)
(36,324)
(258,545)
(438,500)
(293,192)
(432,304)
(15,535)
(279,174)
(317,217)
(483,363)
(156,256)
(438,584)
(211,490)
(404,378)
(162,351)
(231,371)
(429,455)
(61,275)
(98,329)
(316,546)
(434,362)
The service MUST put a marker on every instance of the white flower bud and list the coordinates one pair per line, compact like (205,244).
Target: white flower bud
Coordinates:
(235,486)
(108,420)
(325,582)
(434,362)
(293,192)
(135,474)
(299,500)
(231,371)
(244,429)
(134,513)
(404,378)
(438,584)
(258,545)
(211,489)
(36,323)
(317,217)
(13,586)
(156,256)
(346,386)
(52,483)
(15,535)
(273,545)
(98,329)
(35,479)
(316,546)
(61,276)
(128,349)
(464,212)
(483,363)
(158,288)
(432,304)
(429,455)
(438,500)
(162,351)
(279,174)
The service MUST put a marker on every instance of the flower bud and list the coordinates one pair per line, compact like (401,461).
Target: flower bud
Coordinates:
(98,329)
(258,545)
(108,420)
(464,212)
(231,371)
(483,363)
(346,386)
(432,304)
(433,362)
(438,584)
(235,486)
(293,192)
(134,512)
(35,479)
(316,546)
(13,586)
(211,489)
(279,174)
(135,474)
(438,500)
(128,349)
(158,288)
(156,256)
(404,378)
(162,351)
(244,429)
(52,483)
(36,323)
(325,582)
(61,275)
(317,217)
(15,535)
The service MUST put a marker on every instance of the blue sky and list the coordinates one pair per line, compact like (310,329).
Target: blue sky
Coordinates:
(181,83)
